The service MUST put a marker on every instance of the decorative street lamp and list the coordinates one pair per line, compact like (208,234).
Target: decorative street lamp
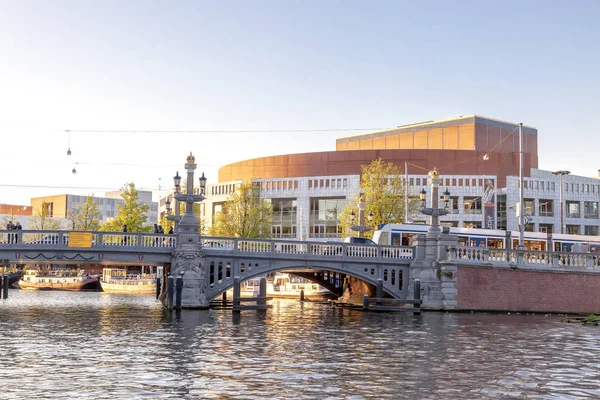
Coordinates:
(434,212)
(361,227)
(177,217)
(187,222)
(188,258)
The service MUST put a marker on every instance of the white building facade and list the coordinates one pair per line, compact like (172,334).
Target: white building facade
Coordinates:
(307,208)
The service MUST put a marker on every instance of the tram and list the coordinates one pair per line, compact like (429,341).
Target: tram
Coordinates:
(401,235)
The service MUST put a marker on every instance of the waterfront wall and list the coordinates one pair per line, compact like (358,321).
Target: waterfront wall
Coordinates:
(505,289)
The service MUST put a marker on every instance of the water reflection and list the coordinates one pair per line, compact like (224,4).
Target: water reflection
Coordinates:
(108,346)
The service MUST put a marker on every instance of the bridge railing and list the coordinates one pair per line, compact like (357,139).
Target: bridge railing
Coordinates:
(309,248)
(99,239)
(482,255)
(149,240)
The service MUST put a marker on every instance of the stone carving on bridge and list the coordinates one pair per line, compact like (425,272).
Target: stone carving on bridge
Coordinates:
(188,258)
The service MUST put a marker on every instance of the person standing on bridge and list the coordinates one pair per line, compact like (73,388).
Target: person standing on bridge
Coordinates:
(17,227)
(10,227)
(155,231)
(125,236)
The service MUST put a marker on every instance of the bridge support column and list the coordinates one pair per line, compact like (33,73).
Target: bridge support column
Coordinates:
(5,282)
(436,274)
(188,258)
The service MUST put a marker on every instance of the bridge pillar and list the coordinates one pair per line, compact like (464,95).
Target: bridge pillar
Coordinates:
(436,274)
(187,257)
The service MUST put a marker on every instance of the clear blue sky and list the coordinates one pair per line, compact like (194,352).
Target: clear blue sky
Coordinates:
(277,65)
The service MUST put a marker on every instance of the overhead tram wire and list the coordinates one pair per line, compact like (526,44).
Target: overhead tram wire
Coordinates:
(225,131)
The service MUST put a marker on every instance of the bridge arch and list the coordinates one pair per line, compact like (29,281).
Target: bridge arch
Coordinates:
(221,272)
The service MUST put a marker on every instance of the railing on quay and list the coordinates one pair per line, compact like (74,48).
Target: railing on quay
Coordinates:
(59,239)
(530,258)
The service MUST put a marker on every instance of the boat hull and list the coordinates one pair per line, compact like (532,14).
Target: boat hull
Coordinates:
(135,287)
(90,284)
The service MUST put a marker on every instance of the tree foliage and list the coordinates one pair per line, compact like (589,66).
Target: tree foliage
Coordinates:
(42,220)
(131,213)
(6,219)
(244,215)
(87,215)
(382,189)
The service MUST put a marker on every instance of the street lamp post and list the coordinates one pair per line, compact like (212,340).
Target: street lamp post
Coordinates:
(177,217)
(521,185)
(361,227)
(434,212)
(187,259)
(560,192)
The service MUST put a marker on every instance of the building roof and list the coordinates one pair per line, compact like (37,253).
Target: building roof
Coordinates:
(441,123)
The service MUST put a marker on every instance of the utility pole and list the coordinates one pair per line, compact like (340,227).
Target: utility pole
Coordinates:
(521,202)
(405,192)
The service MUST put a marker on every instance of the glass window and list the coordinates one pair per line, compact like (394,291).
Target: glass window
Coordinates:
(591,230)
(529,205)
(573,229)
(472,205)
(546,208)
(573,209)
(284,218)
(546,228)
(590,209)
(324,215)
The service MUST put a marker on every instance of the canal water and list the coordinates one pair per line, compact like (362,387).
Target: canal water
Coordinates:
(59,345)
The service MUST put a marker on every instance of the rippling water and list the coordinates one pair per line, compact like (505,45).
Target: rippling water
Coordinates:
(108,346)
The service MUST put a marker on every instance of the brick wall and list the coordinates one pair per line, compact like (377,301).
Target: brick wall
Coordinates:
(502,289)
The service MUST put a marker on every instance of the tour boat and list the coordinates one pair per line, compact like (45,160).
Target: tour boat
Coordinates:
(117,280)
(289,286)
(38,279)
(284,286)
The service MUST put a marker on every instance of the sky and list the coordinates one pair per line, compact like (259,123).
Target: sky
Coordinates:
(243,75)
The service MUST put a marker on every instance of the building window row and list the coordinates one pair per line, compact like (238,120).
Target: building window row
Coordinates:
(335,183)
(279,185)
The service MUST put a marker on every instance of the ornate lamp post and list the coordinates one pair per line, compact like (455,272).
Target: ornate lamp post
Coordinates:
(434,212)
(177,217)
(361,227)
(187,255)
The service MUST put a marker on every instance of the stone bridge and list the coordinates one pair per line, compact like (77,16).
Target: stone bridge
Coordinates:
(221,259)
(452,277)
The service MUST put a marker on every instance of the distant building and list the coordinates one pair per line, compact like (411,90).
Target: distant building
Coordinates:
(14,209)
(478,160)
(60,206)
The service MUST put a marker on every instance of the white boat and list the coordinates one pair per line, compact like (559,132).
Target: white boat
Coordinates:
(117,280)
(289,286)
(284,286)
(48,279)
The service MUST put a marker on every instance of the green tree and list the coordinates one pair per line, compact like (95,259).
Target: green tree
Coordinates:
(88,216)
(131,213)
(6,219)
(382,189)
(244,215)
(42,219)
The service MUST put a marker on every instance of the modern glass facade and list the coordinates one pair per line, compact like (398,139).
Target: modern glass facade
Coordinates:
(324,219)
(284,218)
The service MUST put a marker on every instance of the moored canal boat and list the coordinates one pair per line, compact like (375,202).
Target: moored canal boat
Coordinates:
(117,280)
(48,279)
